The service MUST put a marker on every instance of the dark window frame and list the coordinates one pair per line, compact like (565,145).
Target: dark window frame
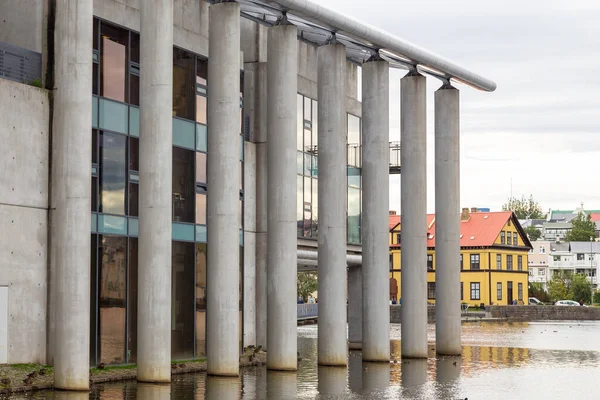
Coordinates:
(475,291)
(475,262)
(430,290)
(499,291)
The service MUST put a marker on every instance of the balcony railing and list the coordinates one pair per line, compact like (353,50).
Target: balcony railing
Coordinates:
(394,158)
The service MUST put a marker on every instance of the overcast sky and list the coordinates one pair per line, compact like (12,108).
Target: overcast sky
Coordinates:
(540,128)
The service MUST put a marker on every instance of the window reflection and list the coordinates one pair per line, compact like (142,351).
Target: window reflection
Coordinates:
(354,141)
(112,168)
(201,108)
(307,206)
(112,290)
(183,185)
(300,123)
(134,154)
(114,62)
(201,208)
(134,202)
(184,84)
(201,167)
(300,204)
(182,298)
(132,301)
(315,207)
(200,299)
(353,215)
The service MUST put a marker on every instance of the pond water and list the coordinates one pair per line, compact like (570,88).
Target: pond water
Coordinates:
(535,360)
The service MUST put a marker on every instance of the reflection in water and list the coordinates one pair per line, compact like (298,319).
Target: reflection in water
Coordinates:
(222,388)
(281,385)
(332,381)
(152,391)
(447,375)
(505,370)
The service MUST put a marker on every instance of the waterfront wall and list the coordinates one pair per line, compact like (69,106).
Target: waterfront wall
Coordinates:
(543,313)
(24,165)
(396,314)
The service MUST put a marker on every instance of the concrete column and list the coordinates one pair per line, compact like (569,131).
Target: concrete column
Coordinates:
(222,388)
(282,84)
(223,272)
(70,206)
(447,221)
(332,194)
(376,189)
(156,166)
(280,385)
(355,308)
(414,216)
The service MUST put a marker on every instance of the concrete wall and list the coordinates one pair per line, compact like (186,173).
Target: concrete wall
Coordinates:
(396,314)
(24,116)
(190,20)
(542,313)
(22,23)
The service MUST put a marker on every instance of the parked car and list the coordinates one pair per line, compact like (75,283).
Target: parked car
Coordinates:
(566,303)
(535,302)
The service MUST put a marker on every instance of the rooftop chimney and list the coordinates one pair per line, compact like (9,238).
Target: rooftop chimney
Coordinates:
(464,216)
(473,209)
(392,212)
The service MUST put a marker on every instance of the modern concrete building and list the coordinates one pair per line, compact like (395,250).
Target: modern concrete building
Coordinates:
(148,189)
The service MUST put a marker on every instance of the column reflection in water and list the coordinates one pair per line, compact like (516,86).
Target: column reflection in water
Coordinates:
(355,366)
(375,378)
(222,388)
(332,381)
(149,391)
(447,375)
(281,385)
(414,376)
(63,395)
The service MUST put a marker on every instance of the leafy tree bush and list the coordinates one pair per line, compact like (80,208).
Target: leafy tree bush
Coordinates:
(533,233)
(307,284)
(536,289)
(582,229)
(580,288)
(524,208)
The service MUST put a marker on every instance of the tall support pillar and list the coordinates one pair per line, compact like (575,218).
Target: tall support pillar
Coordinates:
(331,70)
(355,308)
(71,194)
(156,166)
(223,270)
(414,216)
(282,64)
(376,188)
(447,220)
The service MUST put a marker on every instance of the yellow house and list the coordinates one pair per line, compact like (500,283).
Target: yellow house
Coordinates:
(493,258)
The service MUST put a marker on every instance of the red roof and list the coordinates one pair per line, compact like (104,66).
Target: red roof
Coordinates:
(480,230)
(394,220)
(595,217)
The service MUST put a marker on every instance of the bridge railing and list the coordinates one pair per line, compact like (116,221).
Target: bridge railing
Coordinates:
(307,311)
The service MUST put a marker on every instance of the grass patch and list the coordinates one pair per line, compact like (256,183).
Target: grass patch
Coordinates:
(26,367)
(113,368)
(190,360)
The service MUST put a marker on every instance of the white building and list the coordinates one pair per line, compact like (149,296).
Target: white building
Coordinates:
(576,257)
(538,261)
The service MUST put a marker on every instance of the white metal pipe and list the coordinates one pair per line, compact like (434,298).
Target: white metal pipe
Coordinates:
(353,260)
(383,40)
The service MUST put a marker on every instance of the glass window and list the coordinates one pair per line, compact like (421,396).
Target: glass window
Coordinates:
(134,210)
(201,104)
(354,141)
(135,47)
(315,207)
(201,167)
(201,71)
(184,133)
(520,291)
(183,232)
(134,121)
(132,302)
(520,263)
(201,208)
(184,84)
(499,291)
(354,176)
(508,238)
(430,290)
(299,162)
(498,261)
(134,89)
(114,62)
(475,262)
(134,154)
(95,250)
(113,153)
(307,206)
(201,138)
(307,140)
(509,262)
(113,116)
(200,299)
(184,187)
(307,109)
(300,205)
(182,298)
(429,262)
(515,240)
(502,240)
(475,291)
(307,164)
(300,123)
(353,215)
(315,123)
(111,300)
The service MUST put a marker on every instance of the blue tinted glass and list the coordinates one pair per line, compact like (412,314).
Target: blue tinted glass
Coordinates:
(353,215)
(241,237)
(94,112)
(112,224)
(113,116)
(354,176)
(183,133)
(94,222)
(183,232)
(134,121)
(201,143)
(134,227)
(201,233)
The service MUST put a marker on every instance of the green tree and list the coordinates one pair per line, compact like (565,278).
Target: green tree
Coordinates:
(558,286)
(536,289)
(582,229)
(533,233)
(580,288)
(307,284)
(524,208)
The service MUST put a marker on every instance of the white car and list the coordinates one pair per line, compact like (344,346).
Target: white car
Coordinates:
(566,303)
